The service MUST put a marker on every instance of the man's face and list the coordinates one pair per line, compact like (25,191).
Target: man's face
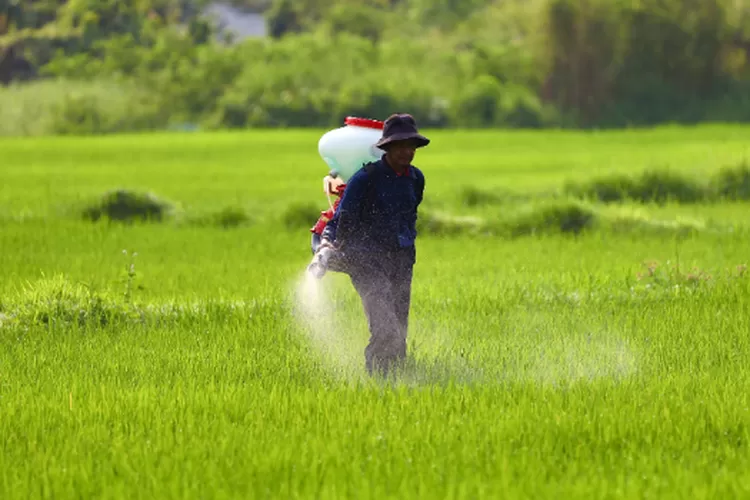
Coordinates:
(401,153)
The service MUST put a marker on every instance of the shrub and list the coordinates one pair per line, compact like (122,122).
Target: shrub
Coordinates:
(227,217)
(607,190)
(472,196)
(732,183)
(664,186)
(444,224)
(127,206)
(298,215)
(659,186)
(570,217)
(231,217)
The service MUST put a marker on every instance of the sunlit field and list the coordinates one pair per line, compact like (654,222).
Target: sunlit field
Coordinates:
(563,344)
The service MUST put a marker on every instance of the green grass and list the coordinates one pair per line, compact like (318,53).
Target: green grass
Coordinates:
(546,365)
(60,106)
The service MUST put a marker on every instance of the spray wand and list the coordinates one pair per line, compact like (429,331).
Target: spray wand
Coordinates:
(320,261)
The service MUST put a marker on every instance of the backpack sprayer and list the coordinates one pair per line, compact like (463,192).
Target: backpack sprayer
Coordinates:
(344,150)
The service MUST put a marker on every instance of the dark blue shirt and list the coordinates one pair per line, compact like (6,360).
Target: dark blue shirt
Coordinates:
(378,209)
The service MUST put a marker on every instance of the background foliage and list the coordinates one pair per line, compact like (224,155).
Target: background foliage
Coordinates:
(99,66)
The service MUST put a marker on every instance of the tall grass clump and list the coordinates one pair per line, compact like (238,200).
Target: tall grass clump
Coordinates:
(563,216)
(665,186)
(437,223)
(472,196)
(475,196)
(651,186)
(60,302)
(732,183)
(125,205)
(635,220)
(300,214)
(230,216)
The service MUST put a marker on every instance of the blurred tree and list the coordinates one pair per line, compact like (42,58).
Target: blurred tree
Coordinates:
(364,19)
(32,32)
(284,16)
(642,62)
(258,6)
(444,14)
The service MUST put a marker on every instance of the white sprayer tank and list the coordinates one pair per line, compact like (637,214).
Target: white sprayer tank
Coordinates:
(347,148)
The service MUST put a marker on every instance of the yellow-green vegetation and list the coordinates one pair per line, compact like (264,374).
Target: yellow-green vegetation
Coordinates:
(563,343)
(153,64)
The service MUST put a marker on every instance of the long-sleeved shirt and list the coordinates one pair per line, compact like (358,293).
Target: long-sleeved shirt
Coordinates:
(378,209)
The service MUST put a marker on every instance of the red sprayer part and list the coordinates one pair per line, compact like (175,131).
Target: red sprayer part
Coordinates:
(364,122)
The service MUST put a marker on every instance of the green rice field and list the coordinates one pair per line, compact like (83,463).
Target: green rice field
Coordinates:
(566,340)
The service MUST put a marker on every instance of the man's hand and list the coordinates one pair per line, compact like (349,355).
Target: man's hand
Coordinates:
(327,244)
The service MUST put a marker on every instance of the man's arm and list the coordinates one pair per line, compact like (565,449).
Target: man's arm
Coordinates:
(419,194)
(337,228)
(420,187)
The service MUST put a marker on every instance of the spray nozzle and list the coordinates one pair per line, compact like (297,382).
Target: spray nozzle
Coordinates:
(319,265)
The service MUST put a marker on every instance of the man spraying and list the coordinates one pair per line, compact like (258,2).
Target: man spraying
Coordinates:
(373,233)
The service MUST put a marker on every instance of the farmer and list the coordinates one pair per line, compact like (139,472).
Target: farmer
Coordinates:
(374,231)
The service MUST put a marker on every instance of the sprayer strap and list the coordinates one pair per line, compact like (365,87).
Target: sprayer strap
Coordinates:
(370,170)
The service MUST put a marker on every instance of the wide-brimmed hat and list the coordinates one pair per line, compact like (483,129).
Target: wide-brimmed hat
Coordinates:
(401,127)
